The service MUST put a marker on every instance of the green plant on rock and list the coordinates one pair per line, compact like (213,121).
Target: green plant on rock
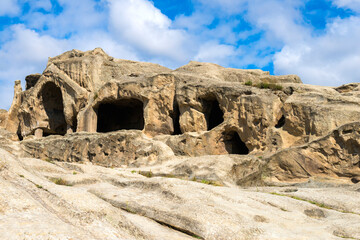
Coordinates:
(272,86)
(263,85)
(49,160)
(248,83)
(60,181)
(147,174)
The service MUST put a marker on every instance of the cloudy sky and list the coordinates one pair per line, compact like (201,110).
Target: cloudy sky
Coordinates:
(317,39)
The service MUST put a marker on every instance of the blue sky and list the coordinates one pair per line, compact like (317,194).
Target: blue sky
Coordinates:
(315,39)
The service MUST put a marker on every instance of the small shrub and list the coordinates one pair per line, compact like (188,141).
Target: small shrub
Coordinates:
(133,171)
(204,181)
(169,176)
(271,86)
(263,85)
(60,181)
(21,175)
(276,87)
(38,186)
(49,160)
(210,182)
(148,174)
(248,83)
(74,173)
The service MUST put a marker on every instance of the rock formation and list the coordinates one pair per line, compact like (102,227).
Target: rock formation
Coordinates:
(196,110)
(189,131)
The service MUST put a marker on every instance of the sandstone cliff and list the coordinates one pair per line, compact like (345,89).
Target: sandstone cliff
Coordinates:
(116,112)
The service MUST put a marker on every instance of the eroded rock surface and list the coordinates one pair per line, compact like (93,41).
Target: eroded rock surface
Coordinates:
(118,149)
(58,200)
(116,112)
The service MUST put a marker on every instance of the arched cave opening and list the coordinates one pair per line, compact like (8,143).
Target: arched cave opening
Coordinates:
(281,122)
(213,114)
(234,144)
(53,104)
(123,114)
(175,115)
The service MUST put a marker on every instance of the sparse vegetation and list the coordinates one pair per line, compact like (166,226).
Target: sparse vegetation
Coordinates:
(248,83)
(147,174)
(49,160)
(208,182)
(60,181)
(170,176)
(74,173)
(271,86)
(21,175)
(38,186)
(265,85)
(133,171)
(96,95)
(321,205)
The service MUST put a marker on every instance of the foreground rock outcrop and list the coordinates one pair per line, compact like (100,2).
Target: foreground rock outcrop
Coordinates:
(102,148)
(57,200)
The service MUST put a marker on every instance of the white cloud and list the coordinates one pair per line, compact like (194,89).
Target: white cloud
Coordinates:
(9,7)
(330,59)
(140,24)
(281,20)
(24,53)
(349,4)
(94,39)
(76,17)
(215,53)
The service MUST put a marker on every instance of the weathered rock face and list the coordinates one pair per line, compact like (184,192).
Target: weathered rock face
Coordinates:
(336,155)
(3,117)
(31,80)
(117,112)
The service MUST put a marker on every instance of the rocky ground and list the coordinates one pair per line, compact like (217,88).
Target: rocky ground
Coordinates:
(46,199)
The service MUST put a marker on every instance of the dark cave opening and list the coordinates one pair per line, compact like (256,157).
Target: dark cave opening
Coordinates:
(53,104)
(175,115)
(281,122)
(213,114)
(123,114)
(234,144)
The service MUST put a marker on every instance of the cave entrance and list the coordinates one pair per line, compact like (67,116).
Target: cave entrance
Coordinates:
(120,114)
(175,115)
(281,122)
(234,144)
(213,114)
(53,105)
